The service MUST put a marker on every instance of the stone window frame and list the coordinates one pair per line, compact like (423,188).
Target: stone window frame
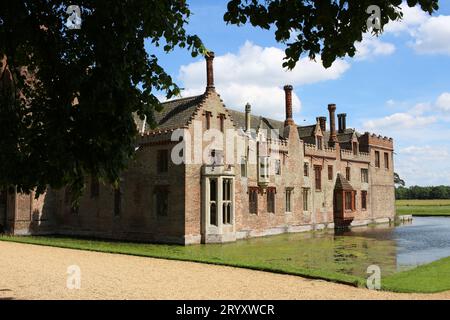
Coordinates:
(364,175)
(318,177)
(348,173)
(271,199)
(288,200)
(306,169)
(349,201)
(263,168)
(213,202)
(253,200)
(377,159)
(386,160)
(364,200)
(355,148)
(305,194)
(319,140)
(330,172)
(227,200)
(243,167)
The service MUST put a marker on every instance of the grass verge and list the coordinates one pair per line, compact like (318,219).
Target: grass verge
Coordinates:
(429,278)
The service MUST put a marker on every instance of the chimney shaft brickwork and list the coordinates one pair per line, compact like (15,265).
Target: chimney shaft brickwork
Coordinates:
(288,96)
(332,110)
(209,70)
(342,122)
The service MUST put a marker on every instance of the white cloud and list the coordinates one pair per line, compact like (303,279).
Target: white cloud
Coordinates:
(411,164)
(412,18)
(420,108)
(371,47)
(443,102)
(255,75)
(430,35)
(433,36)
(400,121)
(416,117)
(427,151)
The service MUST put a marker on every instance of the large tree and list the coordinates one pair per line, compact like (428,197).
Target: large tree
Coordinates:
(67,96)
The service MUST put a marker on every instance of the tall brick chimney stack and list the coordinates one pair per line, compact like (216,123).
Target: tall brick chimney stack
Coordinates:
(332,110)
(209,70)
(288,95)
(342,125)
(248,110)
(322,123)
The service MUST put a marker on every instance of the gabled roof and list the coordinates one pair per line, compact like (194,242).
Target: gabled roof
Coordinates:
(306,131)
(175,113)
(256,122)
(342,184)
(239,119)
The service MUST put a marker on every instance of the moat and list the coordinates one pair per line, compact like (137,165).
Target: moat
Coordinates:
(393,249)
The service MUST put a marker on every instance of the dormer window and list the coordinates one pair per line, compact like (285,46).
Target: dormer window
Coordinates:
(319,143)
(355,148)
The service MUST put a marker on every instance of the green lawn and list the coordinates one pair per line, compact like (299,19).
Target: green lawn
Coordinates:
(423,207)
(429,278)
(342,259)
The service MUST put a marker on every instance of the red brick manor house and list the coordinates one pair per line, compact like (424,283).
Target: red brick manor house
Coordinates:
(323,175)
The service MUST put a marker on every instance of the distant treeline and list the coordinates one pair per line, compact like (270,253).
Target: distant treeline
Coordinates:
(416,192)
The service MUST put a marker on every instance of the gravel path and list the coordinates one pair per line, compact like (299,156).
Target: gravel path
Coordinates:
(39,272)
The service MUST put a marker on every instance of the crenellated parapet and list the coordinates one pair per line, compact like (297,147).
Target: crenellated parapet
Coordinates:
(312,150)
(368,140)
(349,155)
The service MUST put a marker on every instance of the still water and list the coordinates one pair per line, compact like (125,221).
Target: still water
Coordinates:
(393,249)
(424,240)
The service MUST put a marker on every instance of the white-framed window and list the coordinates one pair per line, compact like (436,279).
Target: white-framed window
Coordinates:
(264,167)
(213,202)
(227,185)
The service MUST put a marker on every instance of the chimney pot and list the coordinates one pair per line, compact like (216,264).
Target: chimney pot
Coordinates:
(322,123)
(288,105)
(248,109)
(332,110)
(342,122)
(209,70)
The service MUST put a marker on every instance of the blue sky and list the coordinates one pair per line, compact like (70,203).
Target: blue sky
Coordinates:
(398,85)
